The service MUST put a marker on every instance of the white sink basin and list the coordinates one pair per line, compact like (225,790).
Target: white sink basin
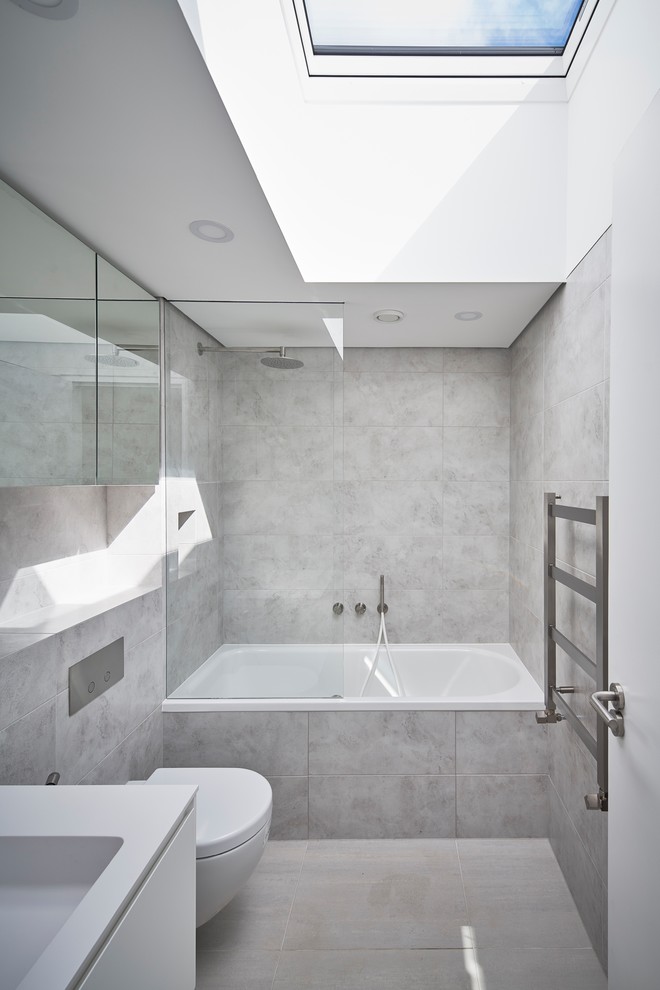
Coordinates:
(42,881)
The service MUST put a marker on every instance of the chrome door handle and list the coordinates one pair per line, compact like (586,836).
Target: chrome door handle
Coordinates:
(612,718)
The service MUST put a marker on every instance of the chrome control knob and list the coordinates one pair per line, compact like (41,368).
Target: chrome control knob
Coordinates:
(360,608)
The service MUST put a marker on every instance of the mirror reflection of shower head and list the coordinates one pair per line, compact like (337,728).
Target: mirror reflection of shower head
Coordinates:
(281,361)
(115,360)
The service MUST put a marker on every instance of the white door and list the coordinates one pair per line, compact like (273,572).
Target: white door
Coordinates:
(634,787)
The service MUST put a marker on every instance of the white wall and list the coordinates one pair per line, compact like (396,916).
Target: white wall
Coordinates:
(619,82)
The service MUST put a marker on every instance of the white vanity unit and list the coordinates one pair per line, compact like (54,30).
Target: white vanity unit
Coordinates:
(97,888)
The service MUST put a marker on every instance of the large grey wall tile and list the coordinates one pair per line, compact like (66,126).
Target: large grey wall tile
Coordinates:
(136,620)
(573,772)
(81,527)
(399,360)
(527,387)
(477,399)
(279,562)
(480,563)
(574,437)
(527,576)
(574,351)
(531,337)
(475,616)
(476,453)
(276,402)
(281,616)
(406,561)
(470,359)
(526,632)
(381,742)
(581,875)
(135,758)
(255,508)
(414,616)
(527,521)
(282,453)
(27,680)
(407,508)
(502,806)
(590,273)
(474,508)
(390,453)
(500,742)
(527,449)
(27,747)
(392,399)
(290,807)
(271,743)
(86,738)
(381,807)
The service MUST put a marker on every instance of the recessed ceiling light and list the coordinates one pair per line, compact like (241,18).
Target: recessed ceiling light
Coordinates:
(468,315)
(56,10)
(211,230)
(388,315)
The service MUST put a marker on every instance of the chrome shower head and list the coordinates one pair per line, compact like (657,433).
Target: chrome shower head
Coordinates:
(281,361)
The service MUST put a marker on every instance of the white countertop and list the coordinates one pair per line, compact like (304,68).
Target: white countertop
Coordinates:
(144,818)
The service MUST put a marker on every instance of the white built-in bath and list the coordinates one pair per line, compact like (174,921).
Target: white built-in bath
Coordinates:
(303,677)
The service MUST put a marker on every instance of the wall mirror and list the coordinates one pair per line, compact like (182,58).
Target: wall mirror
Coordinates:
(79,360)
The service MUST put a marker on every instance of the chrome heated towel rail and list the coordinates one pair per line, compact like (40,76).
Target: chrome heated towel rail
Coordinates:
(556,705)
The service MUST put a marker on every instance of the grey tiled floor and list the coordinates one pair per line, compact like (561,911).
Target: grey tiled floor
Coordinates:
(424,914)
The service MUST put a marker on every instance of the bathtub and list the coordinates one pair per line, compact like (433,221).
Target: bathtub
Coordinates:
(300,677)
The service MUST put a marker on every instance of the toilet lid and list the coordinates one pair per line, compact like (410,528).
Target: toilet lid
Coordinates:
(232,804)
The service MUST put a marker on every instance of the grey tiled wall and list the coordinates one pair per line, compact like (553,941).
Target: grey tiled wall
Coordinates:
(559,442)
(380,774)
(117,736)
(394,461)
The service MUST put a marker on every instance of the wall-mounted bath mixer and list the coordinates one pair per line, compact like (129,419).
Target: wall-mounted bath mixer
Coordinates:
(360,608)
(382,607)
(338,608)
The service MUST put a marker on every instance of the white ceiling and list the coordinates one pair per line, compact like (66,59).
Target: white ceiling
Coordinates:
(111,123)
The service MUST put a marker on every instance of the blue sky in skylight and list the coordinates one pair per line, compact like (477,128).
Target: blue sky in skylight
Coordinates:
(442,23)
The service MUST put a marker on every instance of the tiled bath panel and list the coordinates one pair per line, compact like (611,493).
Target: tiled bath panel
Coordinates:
(559,430)
(382,774)
(431,914)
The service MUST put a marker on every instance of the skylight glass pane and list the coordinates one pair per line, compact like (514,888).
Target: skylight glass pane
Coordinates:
(383,25)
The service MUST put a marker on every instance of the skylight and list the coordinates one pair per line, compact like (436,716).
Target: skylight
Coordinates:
(418,27)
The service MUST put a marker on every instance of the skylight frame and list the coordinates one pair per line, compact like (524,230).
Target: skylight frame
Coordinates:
(434,63)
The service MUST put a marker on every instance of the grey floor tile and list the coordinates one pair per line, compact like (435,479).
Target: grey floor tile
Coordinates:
(540,969)
(378,895)
(257,916)
(517,896)
(235,969)
(391,969)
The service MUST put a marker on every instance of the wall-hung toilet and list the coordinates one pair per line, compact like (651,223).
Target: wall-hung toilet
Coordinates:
(234,809)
